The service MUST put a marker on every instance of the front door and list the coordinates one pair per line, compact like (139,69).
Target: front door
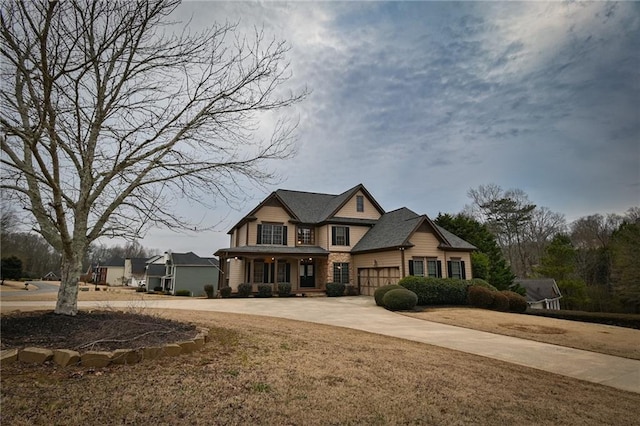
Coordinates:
(307,269)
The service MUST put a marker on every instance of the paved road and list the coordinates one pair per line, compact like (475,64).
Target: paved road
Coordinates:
(361,313)
(35,287)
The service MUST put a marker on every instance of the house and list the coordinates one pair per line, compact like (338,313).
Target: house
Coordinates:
(51,276)
(182,271)
(111,272)
(309,239)
(542,293)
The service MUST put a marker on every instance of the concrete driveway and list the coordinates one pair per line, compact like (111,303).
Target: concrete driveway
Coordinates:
(361,313)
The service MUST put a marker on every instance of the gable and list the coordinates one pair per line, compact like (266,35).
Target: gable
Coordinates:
(349,209)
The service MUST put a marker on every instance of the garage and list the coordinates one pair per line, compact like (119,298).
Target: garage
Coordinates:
(369,279)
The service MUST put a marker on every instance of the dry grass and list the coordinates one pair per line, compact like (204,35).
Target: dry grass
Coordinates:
(271,371)
(606,339)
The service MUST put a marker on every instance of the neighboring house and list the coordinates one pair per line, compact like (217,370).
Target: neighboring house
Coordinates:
(542,293)
(51,276)
(310,239)
(111,272)
(182,271)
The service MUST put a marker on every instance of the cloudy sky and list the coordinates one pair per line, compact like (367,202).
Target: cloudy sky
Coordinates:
(421,101)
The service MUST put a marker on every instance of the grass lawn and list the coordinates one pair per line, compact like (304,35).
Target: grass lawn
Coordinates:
(260,370)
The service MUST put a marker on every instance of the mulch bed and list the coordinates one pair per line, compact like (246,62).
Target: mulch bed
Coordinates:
(91,331)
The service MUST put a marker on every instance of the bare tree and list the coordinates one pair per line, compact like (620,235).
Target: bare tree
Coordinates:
(108,117)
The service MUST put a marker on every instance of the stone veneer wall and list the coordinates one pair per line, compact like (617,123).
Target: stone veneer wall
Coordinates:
(339,258)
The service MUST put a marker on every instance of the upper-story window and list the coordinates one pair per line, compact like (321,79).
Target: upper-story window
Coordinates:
(306,235)
(359,203)
(340,235)
(273,234)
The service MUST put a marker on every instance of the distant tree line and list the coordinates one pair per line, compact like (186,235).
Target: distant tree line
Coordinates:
(592,259)
(37,258)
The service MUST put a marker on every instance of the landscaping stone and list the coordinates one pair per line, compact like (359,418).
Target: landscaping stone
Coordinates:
(8,356)
(35,355)
(199,341)
(188,346)
(96,359)
(126,356)
(172,349)
(65,357)
(152,352)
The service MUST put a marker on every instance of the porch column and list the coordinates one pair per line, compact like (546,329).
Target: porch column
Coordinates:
(275,274)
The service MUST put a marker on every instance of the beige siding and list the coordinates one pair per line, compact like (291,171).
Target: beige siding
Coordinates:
(425,245)
(115,275)
(465,257)
(241,235)
(380,259)
(355,234)
(350,209)
(323,236)
(272,215)
(236,273)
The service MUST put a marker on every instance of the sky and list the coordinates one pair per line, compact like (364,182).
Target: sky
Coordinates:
(422,101)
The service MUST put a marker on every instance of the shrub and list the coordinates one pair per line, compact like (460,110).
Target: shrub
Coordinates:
(225,292)
(284,289)
(141,289)
(208,289)
(378,295)
(264,290)
(482,283)
(244,290)
(157,288)
(480,297)
(500,302)
(183,293)
(335,289)
(399,299)
(437,291)
(517,303)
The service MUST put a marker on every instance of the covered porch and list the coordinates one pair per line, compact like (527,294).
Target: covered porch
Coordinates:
(305,268)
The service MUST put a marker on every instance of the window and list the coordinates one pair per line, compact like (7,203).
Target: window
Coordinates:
(433,268)
(416,267)
(341,273)
(264,272)
(258,271)
(340,235)
(305,235)
(273,234)
(359,203)
(455,269)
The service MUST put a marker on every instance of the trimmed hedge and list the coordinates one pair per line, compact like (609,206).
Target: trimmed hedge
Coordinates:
(264,290)
(183,293)
(378,295)
(437,291)
(500,302)
(225,292)
(335,289)
(244,290)
(284,289)
(208,289)
(517,303)
(482,283)
(399,299)
(481,297)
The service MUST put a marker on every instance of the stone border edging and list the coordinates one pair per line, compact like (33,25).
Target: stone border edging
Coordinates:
(67,357)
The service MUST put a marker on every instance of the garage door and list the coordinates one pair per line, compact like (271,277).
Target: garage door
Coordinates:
(369,279)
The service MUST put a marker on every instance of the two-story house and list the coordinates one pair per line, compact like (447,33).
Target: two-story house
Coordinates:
(310,239)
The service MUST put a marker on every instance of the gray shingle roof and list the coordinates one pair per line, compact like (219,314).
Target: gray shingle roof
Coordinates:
(156,270)
(277,250)
(539,289)
(114,261)
(138,264)
(395,228)
(191,259)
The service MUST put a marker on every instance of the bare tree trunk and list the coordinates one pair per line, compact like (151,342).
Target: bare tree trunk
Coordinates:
(67,303)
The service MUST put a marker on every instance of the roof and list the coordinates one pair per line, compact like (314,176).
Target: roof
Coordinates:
(138,265)
(114,262)
(395,228)
(312,207)
(192,259)
(539,289)
(273,250)
(156,269)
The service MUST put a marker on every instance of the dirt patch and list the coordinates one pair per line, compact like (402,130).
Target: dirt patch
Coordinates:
(97,331)
(536,329)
